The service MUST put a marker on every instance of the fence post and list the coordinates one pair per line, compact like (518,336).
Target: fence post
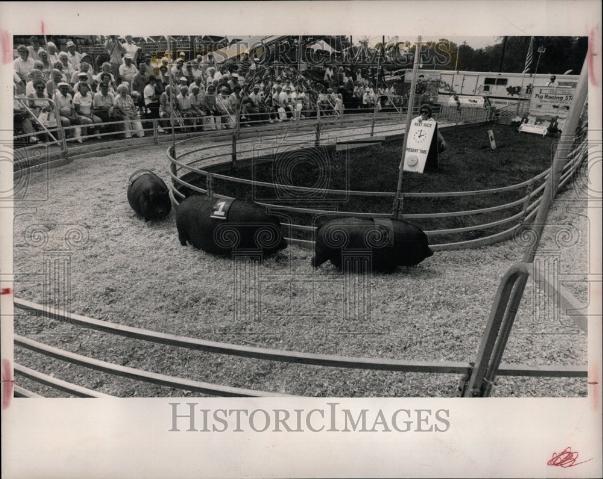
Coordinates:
(317,141)
(210,185)
(155,132)
(235,134)
(173,169)
(374,114)
(60,130)
(526,203)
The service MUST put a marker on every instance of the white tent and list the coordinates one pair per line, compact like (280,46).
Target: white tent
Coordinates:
(322,45)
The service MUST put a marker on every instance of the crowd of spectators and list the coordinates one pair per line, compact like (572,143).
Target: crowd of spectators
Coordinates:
(192,93)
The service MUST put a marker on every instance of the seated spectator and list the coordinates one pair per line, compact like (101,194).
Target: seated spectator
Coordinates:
(53,53)
(84,73)
(125,109)
(211,75)
(151,100)
(177,69)
(197,100)
(22,123)
(82,102)
(139,82)
(164,75)
(24,64)
(223,107)
(67,112)
(102,103)
(127,70)
(67,68)
(34,48)
(168,107)
(35,74)
(196,71)
(56,77)
(106,72)
(73,56)
(46,65)
(210,104)
(41,107)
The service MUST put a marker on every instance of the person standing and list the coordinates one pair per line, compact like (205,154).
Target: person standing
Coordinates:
(130,48)
(115,50)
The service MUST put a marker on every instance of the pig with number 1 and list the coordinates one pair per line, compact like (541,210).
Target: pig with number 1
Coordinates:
(223,226)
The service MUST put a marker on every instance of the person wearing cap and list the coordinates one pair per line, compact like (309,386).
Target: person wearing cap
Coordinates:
(82,77)
(184,105)
(182,81)
(82,102)
(23,64)
(127,70)
(105,72)
(209,102)
(177,69)
(64,102)
(84,72)
(74,57)
(125,109)
(196,72)
(115,50)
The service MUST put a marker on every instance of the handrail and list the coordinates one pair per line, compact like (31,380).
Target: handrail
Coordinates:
(133,373)
(53,382)
(450,367)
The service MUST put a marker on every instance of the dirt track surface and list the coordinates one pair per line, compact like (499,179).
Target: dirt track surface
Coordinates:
(124,270)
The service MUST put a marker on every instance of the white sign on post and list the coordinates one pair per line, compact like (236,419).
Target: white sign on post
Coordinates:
(491,138)
(418,143)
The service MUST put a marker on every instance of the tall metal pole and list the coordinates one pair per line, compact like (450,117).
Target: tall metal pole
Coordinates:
(172,92)
(563,148)
(411,99)
(502,54)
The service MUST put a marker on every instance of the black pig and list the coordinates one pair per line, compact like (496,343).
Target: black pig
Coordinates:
(245,226)
(382,243)
(148,195)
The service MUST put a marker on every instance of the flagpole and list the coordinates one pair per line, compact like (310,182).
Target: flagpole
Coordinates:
(411,99)
(526,68)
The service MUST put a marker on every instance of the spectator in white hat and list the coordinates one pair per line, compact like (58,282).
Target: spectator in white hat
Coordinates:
(74,57)
(64,102)
(127,70)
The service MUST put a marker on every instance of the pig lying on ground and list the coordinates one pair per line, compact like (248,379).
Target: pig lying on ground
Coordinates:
(226,226)
(148,195)
(383,244)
